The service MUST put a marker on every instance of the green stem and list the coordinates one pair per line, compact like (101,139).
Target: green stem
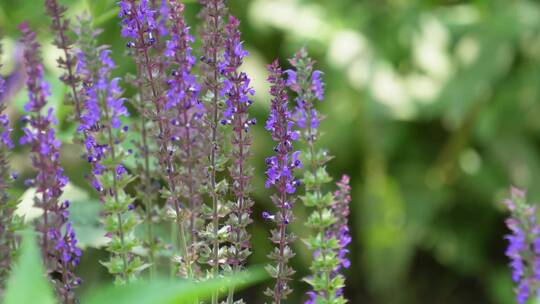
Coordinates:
(123,254)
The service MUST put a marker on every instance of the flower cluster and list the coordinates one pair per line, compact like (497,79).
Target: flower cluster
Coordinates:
(64,248)
(144,24)
(524,246)
(280,175)
(192,151)
(188,136)
(340,229)
(7,207)
(101,121)
(40,135)
(307,85)
(138,21)
(238,94)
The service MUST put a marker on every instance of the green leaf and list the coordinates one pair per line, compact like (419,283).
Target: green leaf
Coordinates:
(27,283)
(163,291)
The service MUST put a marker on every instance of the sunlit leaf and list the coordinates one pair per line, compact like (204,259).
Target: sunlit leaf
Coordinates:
(164,291)
(28,283)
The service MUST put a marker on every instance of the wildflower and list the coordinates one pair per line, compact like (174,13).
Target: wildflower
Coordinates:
(7,208)
(238,93)
(101,122)
(187,129)
(280,176)
(329,240)
(50,179)
(523,245)
(144,25)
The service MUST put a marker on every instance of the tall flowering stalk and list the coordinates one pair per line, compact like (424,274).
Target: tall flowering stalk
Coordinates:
(7,206)
(140,25)
(238,92)
(340,229)
(58,242)
(60,27)
(101,121)
(280,176)
(212,15)
(306,83)
(188,136)
(524,246)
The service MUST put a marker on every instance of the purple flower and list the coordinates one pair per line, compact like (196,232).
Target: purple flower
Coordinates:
(164,14)
(523,245)
(105,95)
(280,175)
(340,229)
(238,93)
(7,222)
(317,85)
(308,85)
(5,129)
(59,249)
(137,20)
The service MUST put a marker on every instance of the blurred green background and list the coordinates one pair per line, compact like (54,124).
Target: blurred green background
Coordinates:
(432,108)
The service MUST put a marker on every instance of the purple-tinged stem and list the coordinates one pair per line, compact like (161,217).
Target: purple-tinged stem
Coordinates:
(59,249)
(213,40)
(182,95)
(280,175)
(238,91)
(60,26)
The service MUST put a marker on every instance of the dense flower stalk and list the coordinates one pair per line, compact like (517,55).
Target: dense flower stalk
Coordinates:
(7,206)
(143,26)
(306,83)
(524,246)
(58,241)
(280,176)
(60,27)
(212,15)
(101,121)
(187,125)
(238,94)
(340,229)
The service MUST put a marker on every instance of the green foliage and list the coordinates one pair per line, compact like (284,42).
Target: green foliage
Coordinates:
(27,282)
(163,291)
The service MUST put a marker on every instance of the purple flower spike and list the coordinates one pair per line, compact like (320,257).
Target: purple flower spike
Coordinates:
(8,220)
(5,129)
(523,246)
(101,123)
(58,248)
(182,127)
(238,98)
(340,229)
(280,176)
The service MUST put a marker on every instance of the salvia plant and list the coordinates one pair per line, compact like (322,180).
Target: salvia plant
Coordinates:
(280,175)
(238,94)
(176,154)
(139,26)
(8,220)
(306,83)
(58,240)
(523,246)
